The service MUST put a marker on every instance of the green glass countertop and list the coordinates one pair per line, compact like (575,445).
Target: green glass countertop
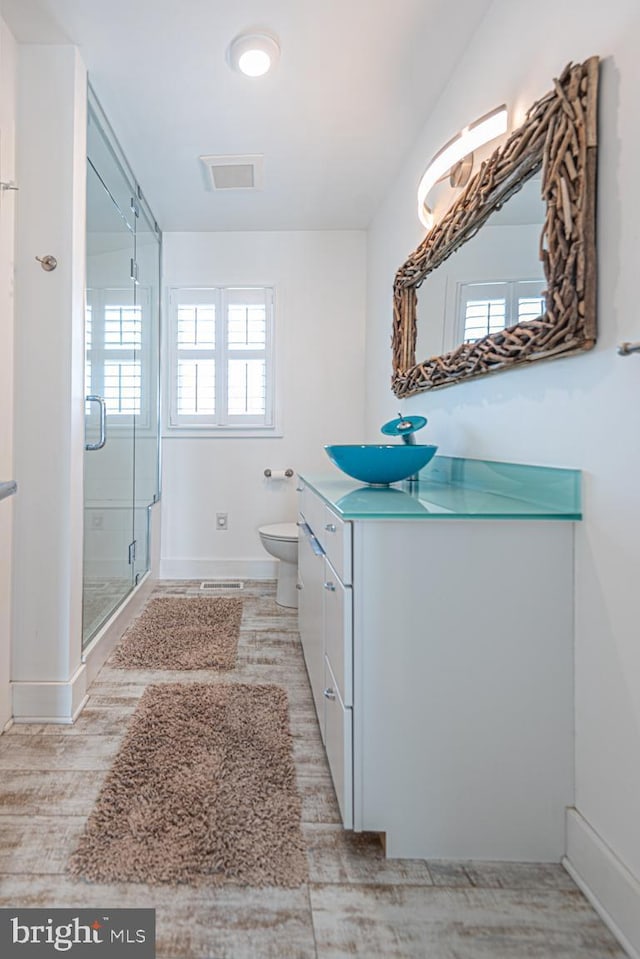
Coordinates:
(458,488)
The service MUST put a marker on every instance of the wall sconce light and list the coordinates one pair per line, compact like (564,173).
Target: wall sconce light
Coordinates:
(254,54)
(455,159)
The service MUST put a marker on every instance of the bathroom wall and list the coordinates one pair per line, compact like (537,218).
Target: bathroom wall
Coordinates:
(48,677)
(7,213)
(580,412)
(320,292)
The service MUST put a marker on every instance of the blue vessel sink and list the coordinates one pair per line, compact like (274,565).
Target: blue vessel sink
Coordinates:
(380,464)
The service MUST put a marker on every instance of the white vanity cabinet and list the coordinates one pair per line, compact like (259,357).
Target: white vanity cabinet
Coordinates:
(310,613)
(439,651)
(325,619)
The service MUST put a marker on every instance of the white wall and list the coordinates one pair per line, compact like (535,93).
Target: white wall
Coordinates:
(581,412)
(320,289)
(49,400)
(7,214)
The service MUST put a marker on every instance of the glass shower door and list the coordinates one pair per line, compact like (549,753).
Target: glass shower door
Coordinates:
(147,293)
(113,383)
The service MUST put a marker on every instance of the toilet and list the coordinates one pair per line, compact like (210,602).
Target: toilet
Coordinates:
(281,540)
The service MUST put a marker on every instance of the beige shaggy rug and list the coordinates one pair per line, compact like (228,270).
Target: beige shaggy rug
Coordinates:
(203,790)
(181,633)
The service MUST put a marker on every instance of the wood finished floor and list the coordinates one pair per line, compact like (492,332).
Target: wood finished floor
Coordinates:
(356,904)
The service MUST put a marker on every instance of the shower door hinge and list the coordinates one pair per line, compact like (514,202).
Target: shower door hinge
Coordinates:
(134,206)
(132,553)
(134,270)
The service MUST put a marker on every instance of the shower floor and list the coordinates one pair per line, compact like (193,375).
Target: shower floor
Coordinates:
(100,598)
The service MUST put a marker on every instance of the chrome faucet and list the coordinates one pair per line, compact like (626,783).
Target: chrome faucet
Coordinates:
(402,427)
(405,427)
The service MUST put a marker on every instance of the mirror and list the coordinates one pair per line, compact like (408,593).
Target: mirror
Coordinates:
(533,199)
(494,280)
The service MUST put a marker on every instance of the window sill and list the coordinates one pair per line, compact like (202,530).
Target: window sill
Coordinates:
(231,433)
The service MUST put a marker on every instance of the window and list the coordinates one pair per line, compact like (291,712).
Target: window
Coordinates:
(486,308)
(221,364)
(113,344)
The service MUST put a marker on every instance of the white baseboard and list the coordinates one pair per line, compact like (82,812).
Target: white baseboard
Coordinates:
(218,568)
(63,702)
(50,702)
(612,890)
(96,653)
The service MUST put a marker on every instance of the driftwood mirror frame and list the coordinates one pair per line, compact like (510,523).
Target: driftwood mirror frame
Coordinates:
(558,136)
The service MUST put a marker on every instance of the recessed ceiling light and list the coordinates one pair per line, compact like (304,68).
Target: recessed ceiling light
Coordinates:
(254,54)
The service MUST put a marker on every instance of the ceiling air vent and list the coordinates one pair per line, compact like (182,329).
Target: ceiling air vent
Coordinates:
(233,172)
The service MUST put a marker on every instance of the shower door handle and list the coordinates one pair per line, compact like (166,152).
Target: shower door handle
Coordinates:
(103,423)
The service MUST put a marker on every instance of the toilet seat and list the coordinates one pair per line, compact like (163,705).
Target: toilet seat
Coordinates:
(286,532)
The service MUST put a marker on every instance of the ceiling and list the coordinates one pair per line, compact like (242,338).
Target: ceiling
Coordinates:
(355,83)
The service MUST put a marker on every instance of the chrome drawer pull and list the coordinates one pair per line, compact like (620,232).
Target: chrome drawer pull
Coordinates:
(330,586)
(330,527)
(328,693)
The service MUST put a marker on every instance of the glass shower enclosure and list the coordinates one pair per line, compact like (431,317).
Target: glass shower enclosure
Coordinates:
(122,332)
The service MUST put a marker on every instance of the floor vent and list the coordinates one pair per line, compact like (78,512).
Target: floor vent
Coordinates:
(222,584)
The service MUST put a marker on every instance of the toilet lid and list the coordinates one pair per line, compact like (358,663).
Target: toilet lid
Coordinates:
(285,531)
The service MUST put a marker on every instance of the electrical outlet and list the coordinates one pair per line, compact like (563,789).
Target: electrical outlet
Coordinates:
(222,521)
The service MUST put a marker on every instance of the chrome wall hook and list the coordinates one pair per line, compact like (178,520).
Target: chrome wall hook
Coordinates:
(8,185)
(47,263)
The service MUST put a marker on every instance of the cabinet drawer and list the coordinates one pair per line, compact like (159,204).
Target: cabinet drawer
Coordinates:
(333,533)
(312,508)
(310,617)
(335,538)
(338,632)
(338,721)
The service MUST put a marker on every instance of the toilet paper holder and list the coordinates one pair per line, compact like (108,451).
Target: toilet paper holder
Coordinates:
(278,473)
